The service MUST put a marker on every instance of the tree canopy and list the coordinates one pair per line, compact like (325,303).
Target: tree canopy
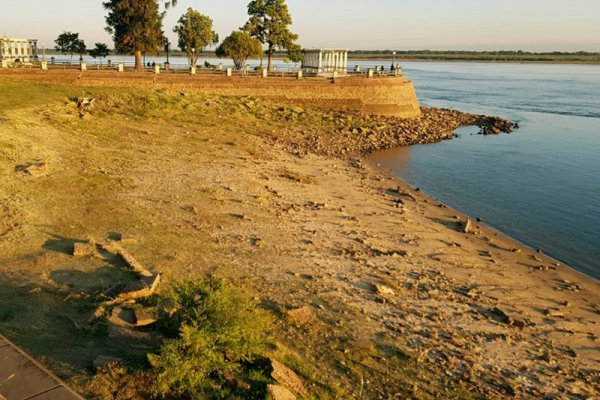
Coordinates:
(195,32)
(239,46)
(136,26)
(269,23)
(100,51)
(69,43)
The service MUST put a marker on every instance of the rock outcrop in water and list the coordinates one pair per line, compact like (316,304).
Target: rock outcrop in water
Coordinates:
(347,134)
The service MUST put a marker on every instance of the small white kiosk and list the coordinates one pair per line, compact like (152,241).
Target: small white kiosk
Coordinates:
(325,61)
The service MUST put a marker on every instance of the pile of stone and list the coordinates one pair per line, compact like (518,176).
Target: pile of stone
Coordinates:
(495,125)
(346,134)
(289,385)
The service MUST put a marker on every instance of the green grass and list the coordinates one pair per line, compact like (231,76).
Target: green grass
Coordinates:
(18,95)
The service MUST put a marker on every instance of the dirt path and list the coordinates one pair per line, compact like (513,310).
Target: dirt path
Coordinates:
(405,302)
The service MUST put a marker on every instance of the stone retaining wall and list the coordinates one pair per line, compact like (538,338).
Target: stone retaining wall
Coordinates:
(380,95)
(383,96)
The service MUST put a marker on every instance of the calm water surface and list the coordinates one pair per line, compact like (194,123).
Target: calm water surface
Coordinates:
(540,184)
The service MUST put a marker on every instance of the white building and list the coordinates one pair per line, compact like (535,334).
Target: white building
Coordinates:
(325,61)
(12,49)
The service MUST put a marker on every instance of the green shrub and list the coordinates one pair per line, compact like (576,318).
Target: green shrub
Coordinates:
(215,332)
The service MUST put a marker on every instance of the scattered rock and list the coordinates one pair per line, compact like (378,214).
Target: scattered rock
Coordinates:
(287,378)
(134,265)
(384,290)
(143,288)
(553,313)
(98,312)
(467,226)
(143,318)
(127,238)
(85,105)
(506,319)
(131,336)
(364,344)
(102,362)
(83,249)
(123,317)
(36,168)
(300,316)
(276,392)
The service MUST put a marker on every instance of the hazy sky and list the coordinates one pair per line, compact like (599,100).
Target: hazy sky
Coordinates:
(538,25)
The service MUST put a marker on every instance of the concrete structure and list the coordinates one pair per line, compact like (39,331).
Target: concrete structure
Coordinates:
(13,49)
(326,61)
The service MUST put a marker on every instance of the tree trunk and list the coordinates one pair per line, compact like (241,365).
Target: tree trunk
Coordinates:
(193,58)
(269,65)
(138,61)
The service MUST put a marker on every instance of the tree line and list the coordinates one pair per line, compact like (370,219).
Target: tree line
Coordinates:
(137,28)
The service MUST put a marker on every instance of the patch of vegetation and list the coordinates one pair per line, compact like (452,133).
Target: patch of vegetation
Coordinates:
(215,342)
(321,390)
(16,95)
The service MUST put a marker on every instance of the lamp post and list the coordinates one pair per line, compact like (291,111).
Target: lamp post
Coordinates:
(167,48)
(394,58)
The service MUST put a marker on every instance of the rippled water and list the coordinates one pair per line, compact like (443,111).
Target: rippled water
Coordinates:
(541,184)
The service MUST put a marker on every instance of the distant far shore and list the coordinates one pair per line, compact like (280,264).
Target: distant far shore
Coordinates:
(566,59)
(580,57)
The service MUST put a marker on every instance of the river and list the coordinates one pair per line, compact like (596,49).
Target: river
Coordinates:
(541,184)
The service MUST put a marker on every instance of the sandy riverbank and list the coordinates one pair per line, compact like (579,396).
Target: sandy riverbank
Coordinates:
(406,304)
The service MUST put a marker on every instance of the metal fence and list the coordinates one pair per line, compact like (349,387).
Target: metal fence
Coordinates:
(362,70)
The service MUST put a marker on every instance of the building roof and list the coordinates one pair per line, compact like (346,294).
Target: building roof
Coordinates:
(322,50)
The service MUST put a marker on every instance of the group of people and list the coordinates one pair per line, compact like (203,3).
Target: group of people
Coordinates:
(381,68)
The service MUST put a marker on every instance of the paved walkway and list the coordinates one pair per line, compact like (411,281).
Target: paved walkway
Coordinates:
(22,378)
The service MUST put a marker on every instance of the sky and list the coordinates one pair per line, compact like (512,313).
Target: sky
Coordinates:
(534,25)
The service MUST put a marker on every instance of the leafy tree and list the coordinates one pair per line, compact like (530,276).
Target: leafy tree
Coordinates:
(136,26)
(294,54)
(69,43)
(195,32)
(239,46)
(100,51)
(80,48)
(269,23)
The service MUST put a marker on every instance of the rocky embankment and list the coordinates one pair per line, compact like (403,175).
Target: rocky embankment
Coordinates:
(346,134)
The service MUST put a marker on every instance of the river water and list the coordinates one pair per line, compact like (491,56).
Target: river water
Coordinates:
(541,184)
